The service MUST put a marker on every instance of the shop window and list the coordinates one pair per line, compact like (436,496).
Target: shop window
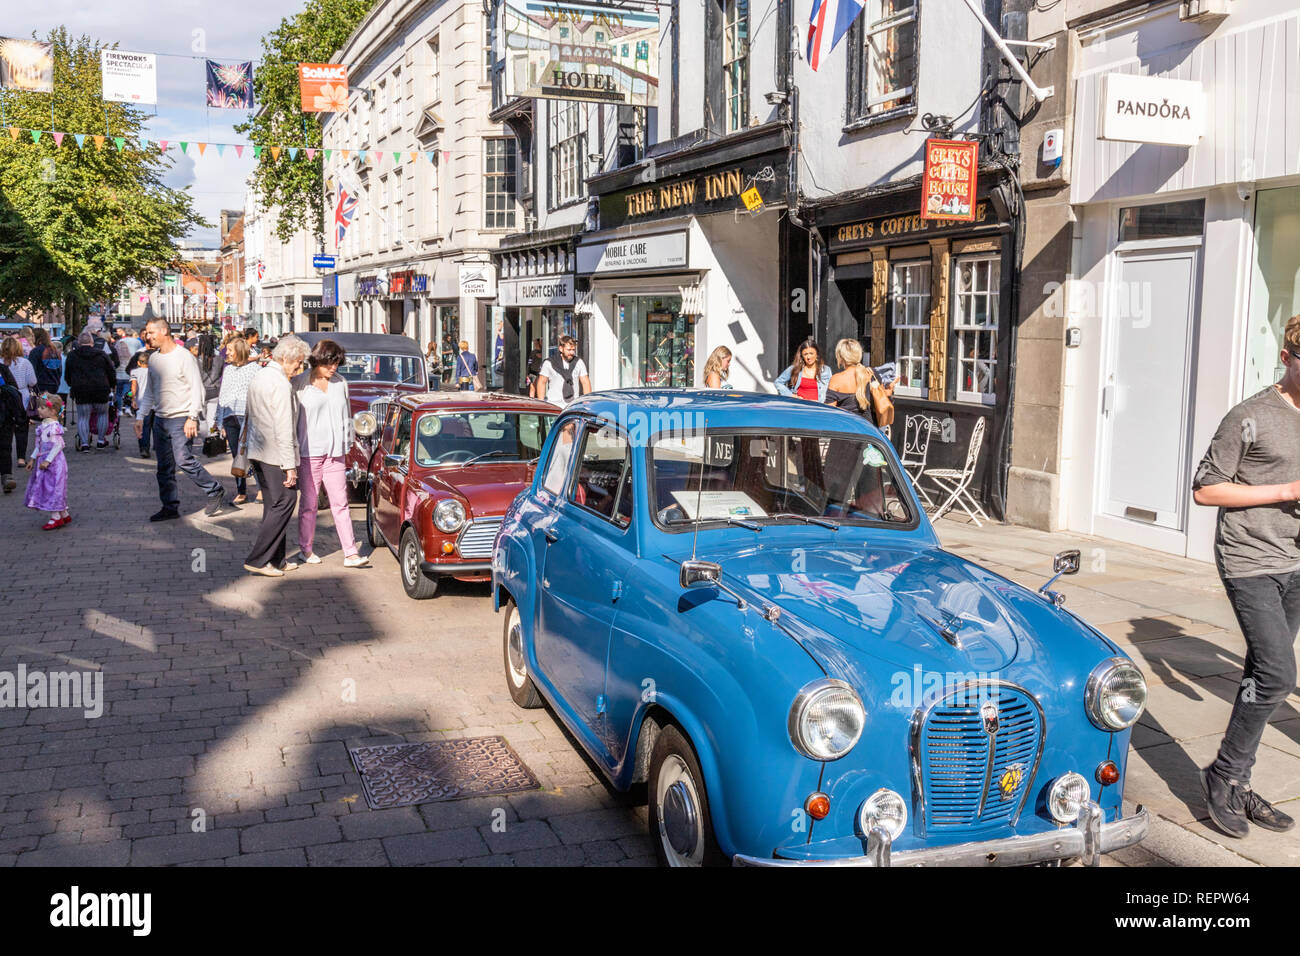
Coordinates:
(656,343)
(448,333)
(909,294)
(735,62)
(882,59)
(568,151)
(1274,284)
(975,327)
(499,167)
(1166,220)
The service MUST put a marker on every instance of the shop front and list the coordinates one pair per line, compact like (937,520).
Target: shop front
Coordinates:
(686,259)
(536,298)
(933,297)
(316,315)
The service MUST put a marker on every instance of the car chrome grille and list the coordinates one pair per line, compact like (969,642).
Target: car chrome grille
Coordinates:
(477,537)
(960,775)
(380,409)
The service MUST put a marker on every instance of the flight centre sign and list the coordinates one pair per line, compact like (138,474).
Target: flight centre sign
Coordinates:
(595,52)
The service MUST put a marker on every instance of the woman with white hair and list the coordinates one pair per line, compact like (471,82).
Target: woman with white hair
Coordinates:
(271,416)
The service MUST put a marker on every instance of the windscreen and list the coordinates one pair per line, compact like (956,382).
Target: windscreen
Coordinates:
(446,438)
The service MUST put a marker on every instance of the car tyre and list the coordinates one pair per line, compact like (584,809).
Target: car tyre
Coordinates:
(522,689)
(419,586)
(681,826)
(372,526)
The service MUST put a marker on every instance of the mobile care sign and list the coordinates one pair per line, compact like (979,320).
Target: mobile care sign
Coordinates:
(129,77)
(951,174)
(595,52)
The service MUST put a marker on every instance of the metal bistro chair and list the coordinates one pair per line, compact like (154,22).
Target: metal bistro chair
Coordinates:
(956,484)
(916,445)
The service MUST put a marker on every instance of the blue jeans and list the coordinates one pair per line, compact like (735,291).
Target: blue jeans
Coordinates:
(1268,609)
(146,433)
(120,393)
(176,451)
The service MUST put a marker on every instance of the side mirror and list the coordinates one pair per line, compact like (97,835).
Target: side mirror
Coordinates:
(394,461)
(1067,562)
(700,574)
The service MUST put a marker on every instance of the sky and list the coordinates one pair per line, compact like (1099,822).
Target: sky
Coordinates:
(192,31)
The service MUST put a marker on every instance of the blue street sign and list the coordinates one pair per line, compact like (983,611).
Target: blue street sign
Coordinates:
(322,262)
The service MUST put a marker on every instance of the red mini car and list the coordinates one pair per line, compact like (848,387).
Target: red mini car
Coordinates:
(445,468)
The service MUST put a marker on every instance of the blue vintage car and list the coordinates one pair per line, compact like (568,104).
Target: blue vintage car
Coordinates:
(738,600)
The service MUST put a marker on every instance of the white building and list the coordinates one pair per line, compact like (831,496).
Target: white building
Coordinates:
(283,291)
(437,184)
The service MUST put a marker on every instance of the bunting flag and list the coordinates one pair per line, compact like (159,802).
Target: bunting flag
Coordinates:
(36,135)
(13,133)
(275,153)
(293,152)
(397,156)
(120,141)
(257,152)
(162,145)
(203,148)
(329,153)
(80,138)
(185,147)
(311,153)
(239,150)
(346,153)
(58,138)
(221,149)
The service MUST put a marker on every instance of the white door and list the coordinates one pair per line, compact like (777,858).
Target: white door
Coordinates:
(1147,387)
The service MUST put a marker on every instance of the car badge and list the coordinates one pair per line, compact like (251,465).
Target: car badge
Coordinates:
(989,714)
(1010,780)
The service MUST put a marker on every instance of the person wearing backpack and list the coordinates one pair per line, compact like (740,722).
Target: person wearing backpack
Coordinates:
(563,377)
(46,362)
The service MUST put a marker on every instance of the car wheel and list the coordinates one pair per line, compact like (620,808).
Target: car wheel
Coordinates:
(372,527)
(680,824)
(418,585)
(522,689)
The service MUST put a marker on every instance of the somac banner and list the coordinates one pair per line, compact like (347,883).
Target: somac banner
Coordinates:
(230,85)
(592,51)
(129,77)
(26,65)
(323,87)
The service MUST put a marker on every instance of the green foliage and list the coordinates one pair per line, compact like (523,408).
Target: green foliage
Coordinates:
(313,35)
(77,224)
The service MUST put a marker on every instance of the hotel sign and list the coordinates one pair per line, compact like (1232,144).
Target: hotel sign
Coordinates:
(1152,109)
(536,291)
(640,254)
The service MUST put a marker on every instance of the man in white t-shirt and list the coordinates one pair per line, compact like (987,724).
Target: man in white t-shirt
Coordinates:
(563,378)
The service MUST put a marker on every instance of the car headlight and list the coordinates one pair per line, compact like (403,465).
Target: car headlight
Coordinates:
(826,719)
(448,515)
(885,809)
(1066,798)
(365,424)
(1116,694)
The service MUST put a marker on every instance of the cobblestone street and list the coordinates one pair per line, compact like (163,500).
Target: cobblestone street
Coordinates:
(232,700)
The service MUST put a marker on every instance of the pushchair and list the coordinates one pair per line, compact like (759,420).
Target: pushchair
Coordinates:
(114,426)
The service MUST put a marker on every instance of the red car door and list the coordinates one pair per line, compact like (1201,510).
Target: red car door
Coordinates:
(390,489)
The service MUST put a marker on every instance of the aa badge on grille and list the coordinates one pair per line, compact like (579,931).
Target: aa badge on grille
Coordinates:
(1010,780)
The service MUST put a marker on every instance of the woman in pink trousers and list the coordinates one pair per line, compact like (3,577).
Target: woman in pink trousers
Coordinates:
(324,433)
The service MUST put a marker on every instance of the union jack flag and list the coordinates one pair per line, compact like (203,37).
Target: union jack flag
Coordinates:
(261,270)
(829,19)
(343,213)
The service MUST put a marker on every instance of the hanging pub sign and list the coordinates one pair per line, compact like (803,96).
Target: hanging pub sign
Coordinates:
(951,172)
(596,52)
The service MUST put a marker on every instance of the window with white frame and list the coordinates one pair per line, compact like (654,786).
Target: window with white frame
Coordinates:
(975,326)
(882,59)
(487,50)
(499,168)
(909,292)
(735,62)
(386,210)
(431,74)
(431,211)
(568,139)
(381,103)
(395,103)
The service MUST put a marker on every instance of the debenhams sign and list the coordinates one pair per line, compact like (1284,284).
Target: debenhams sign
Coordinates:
(1152,109)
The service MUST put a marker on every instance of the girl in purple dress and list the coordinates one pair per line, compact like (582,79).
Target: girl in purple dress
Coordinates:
(47,489)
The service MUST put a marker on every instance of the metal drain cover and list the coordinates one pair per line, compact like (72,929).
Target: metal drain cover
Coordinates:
(398,775)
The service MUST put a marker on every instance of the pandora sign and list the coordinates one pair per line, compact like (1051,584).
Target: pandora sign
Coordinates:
(1151,109)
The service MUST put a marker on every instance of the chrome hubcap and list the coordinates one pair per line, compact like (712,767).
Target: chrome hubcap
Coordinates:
(515,654)
(680,829)
(411,564)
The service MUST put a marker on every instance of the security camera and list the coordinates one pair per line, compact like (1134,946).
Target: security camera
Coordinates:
(1245,191)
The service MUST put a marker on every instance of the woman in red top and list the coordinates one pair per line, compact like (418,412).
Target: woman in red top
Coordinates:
(807,375)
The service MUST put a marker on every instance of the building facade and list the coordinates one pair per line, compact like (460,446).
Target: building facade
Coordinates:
(1174,227)
(434,178)
(282,289)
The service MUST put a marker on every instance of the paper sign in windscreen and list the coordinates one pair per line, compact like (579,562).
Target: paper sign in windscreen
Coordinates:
(719,505)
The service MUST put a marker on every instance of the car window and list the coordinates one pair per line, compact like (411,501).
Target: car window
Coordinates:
(603,484)
(557,466)
(371,367)
(445,438)
(402,438)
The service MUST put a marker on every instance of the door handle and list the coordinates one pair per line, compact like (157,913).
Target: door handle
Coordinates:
(551,536)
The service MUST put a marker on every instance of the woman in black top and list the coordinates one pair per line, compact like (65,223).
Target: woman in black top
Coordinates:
(852,387)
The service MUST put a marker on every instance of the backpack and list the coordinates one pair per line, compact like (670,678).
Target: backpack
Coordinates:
(11,399)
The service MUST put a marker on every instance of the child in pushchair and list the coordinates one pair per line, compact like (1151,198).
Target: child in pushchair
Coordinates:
(114,425)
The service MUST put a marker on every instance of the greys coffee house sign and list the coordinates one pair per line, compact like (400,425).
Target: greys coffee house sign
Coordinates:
(717,189)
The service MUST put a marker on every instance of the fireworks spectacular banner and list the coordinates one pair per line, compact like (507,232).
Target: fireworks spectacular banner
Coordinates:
(323,87)
(26,65)
(129,77)
(230,85)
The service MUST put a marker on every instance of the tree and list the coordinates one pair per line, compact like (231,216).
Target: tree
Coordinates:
(311,36)
(78,224)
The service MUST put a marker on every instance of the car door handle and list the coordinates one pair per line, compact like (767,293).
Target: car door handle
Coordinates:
(551,536)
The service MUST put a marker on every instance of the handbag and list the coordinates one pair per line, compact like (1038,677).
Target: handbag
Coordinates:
(214,445)
(239,466)
(881,404)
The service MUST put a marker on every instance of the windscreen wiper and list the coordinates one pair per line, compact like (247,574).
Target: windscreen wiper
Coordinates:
(489,454)
(809,519)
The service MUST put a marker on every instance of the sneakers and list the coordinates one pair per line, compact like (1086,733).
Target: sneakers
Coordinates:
(356,561)
(239,500)
(82,446)
(267,570)
(215,503)
(309,558)
(1226,802)
(8,482)
(289,565)
(102,443)
(167,514)
(1263,814)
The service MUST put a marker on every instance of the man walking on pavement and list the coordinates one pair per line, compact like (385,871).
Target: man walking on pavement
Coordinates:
(1251,472)
(175,396)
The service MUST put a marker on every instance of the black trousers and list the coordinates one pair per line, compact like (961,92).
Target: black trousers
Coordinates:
(6,443)
(278,505)
(18,435)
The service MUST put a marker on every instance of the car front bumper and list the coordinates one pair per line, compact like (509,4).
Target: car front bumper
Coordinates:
(1087,839)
